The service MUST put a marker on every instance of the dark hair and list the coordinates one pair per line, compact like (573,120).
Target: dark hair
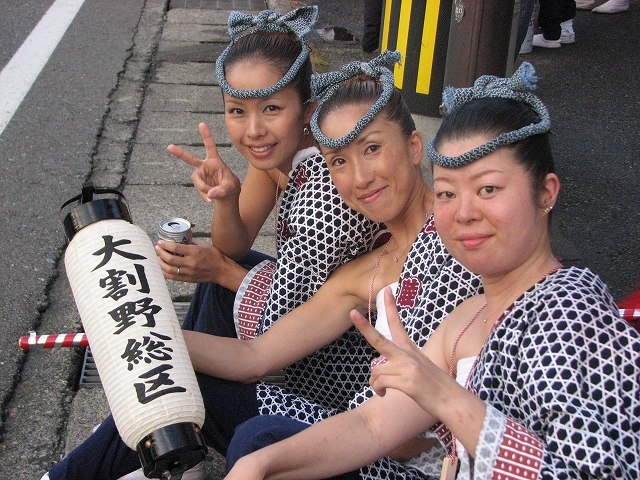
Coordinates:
(277,49)
(365,90)
(490,117)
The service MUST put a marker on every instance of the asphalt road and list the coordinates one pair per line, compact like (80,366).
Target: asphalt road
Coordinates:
(46,152)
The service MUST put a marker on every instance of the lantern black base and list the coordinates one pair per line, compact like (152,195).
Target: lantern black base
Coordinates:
(169,451)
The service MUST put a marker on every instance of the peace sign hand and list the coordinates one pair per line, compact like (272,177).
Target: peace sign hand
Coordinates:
(407,369)
(212,178)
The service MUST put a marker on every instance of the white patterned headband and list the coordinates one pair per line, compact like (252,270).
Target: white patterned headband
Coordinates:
(518,88)
(297,21)
(325,85)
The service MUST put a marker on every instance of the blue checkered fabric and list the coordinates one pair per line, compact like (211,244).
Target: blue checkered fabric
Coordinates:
(297,21)
(326,84)
(518,88)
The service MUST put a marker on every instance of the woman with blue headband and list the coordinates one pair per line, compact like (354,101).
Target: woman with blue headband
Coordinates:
(538,377)
(265,76)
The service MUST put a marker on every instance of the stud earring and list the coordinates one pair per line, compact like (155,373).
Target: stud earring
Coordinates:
(306,130)
(548,209)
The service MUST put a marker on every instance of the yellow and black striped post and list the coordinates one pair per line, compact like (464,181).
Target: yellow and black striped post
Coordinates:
(447,42)
(419,30)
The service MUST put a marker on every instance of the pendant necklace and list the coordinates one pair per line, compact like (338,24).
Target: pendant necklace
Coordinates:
(394,255)
(375,272)
(450,462)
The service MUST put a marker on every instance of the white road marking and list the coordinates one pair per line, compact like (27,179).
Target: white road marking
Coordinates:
(21,72)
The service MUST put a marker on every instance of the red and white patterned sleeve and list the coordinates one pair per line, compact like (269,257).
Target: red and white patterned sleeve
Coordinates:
(505,450)
(251,299)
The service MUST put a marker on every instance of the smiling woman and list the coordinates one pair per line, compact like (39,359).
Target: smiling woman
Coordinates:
(265,77)
(367,172)
(261,128)
(377,171)
(491,190)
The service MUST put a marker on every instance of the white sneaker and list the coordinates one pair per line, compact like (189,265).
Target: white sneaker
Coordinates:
(45,477)
(585,4)
(567,35)
(198,472)
(613,6)
(527,43)
(540,41)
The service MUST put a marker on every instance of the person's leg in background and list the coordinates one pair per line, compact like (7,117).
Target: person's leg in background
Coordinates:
(567,35)
(549,20)
(555,19)
(372,25)
(526,26)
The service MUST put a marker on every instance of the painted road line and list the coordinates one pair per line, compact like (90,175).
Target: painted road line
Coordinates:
(21,72)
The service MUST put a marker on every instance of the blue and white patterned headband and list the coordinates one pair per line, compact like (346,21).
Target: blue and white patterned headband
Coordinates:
(325,85)
(518,88)
(297,21)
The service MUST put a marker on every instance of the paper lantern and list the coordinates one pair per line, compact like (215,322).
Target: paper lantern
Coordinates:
(134,334)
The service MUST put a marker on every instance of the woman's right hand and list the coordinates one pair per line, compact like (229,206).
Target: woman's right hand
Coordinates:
(212,178)
(405,367)
(198,262)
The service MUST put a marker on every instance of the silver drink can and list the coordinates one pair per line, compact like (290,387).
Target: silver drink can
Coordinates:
(175,230)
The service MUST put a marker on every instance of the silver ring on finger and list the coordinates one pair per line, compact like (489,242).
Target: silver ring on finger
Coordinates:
(178,272)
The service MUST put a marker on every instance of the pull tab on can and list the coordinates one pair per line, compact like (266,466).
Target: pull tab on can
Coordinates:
(175,230)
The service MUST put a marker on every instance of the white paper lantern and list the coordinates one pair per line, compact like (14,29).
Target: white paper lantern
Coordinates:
(135,336)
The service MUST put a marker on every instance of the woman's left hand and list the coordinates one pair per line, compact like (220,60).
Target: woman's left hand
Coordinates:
(198,261)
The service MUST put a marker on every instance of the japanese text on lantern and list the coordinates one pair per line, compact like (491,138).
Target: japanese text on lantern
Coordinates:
(149,352)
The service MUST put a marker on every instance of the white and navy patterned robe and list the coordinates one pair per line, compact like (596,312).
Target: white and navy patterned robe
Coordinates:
(337,376)
(561,377)
(317,232)
(432,283)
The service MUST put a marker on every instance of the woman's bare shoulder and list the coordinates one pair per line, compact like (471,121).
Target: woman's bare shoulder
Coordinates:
(461,315)
(353,278)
